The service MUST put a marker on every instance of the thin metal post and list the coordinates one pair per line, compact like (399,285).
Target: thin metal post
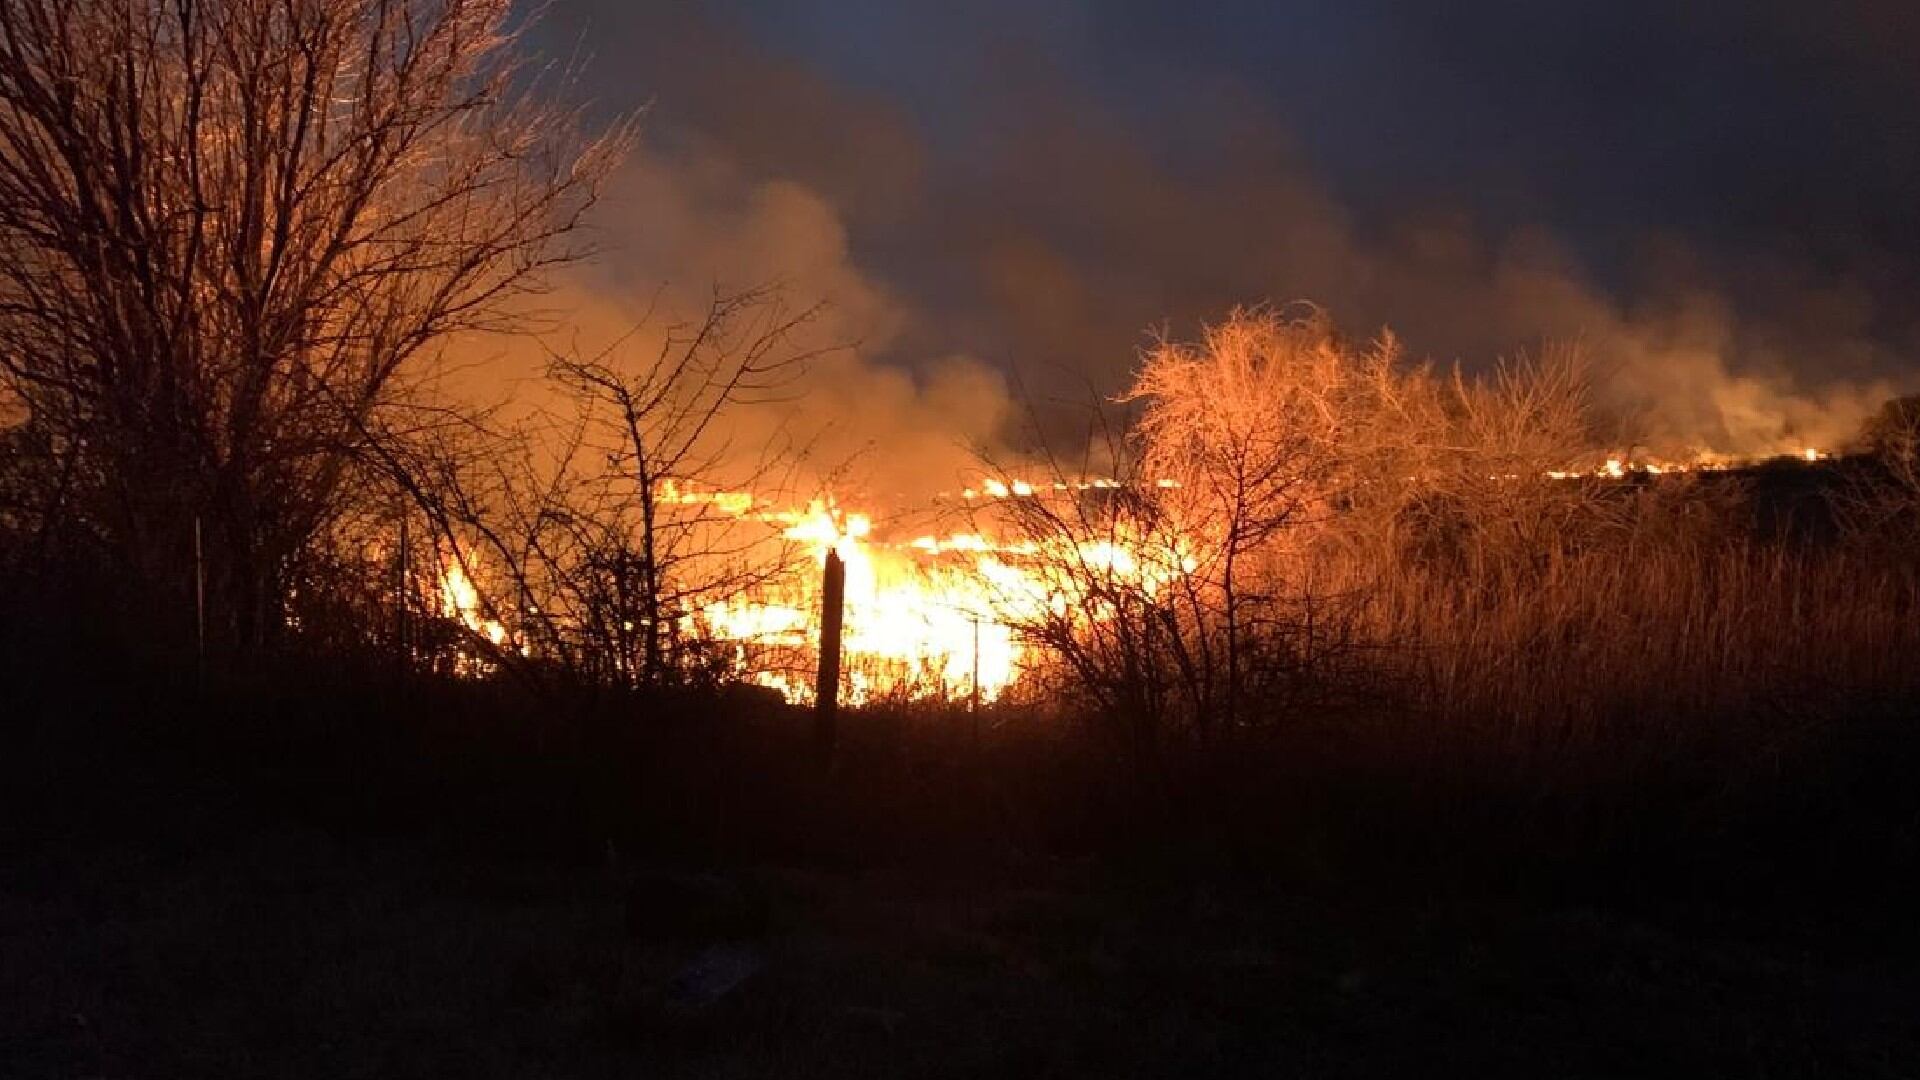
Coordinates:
(975,705)
(826,688)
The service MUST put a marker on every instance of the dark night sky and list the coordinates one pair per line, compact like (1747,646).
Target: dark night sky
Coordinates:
(1719,201)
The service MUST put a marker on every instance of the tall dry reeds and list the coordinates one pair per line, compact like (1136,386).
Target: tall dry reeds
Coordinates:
(1656,649)
(1437,557)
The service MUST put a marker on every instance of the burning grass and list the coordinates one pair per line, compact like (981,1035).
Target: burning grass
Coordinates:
(1367,579)
(1295,523)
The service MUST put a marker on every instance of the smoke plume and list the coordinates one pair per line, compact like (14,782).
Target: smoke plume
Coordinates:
(1011,219)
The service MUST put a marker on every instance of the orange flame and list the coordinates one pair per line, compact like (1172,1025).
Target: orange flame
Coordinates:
(919,621)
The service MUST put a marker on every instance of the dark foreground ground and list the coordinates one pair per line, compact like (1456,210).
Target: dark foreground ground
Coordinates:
(393,884)
(288,953)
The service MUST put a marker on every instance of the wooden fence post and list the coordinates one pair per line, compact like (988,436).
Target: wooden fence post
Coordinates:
(826,689)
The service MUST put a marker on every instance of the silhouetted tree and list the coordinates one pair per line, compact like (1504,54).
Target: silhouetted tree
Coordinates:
(232,235)
(597,540)
(1893,433)
(1880,506)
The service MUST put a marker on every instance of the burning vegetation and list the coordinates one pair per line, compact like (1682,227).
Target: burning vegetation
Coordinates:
(1286,520)
(226,429)
(1286,601)
(232,415)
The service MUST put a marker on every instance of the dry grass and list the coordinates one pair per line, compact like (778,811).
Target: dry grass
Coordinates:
(1444,549)
(1674,645)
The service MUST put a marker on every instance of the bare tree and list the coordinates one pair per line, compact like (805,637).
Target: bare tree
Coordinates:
(665,546)
(1246,435)
(233,231)
(597,538)
(1281,492)
(1093,579)
(1879,504)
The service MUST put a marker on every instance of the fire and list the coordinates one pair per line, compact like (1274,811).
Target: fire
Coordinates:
(926,616)
(1620,467)
(920,619)
(925,612)
(930,614)
(459,599)
(732,503)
